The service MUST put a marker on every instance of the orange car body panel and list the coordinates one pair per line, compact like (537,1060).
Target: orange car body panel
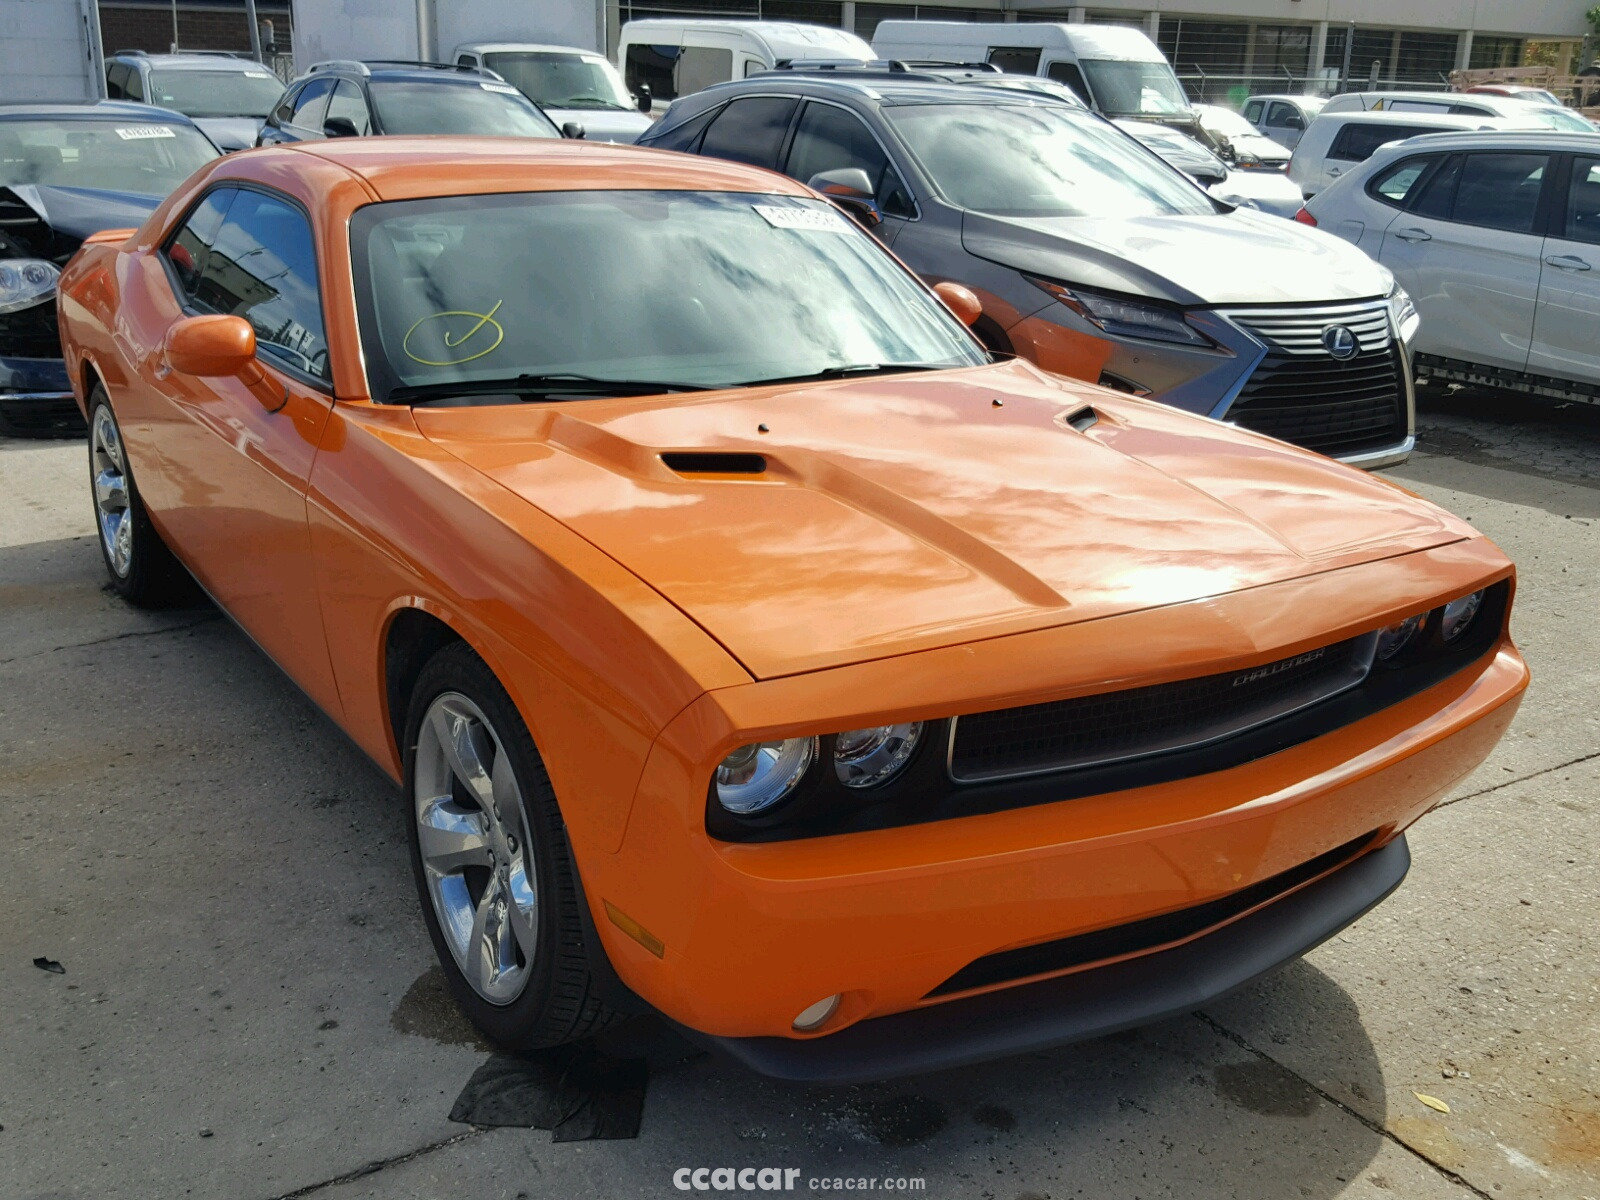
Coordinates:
(915,551)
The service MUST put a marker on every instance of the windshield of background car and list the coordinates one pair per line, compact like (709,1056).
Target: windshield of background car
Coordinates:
(1043,160)
(558,80)
(216,93)
(1553,118)
(1124,89)
(468,107)
(712,289)
(148,158)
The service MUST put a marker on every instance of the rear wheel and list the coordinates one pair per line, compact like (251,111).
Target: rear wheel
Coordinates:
(491,860)
(143,571)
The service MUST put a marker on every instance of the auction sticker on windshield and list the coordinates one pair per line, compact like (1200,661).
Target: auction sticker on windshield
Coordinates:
(812,220)
(504,88)
(135,133)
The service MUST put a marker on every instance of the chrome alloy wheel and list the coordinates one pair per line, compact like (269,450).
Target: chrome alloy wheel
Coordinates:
(472,832)
(112,512)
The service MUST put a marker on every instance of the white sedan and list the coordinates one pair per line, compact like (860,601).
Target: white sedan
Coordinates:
(1496,236)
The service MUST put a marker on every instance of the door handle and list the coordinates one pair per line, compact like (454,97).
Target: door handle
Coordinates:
(1413,235)
(1332,171)
(1567,262)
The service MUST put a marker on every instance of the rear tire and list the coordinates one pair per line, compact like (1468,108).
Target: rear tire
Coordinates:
(492,864)
(143,571)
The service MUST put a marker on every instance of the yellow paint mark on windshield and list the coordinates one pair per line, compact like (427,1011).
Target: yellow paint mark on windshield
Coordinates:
(454,341)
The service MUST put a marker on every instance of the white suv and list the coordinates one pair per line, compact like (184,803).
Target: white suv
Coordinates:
(1543,116)
(1496,236)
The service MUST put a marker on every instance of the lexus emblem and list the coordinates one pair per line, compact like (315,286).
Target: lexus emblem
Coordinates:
(1340,342)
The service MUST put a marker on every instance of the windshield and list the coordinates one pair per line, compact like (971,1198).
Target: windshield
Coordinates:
(1134,88)
(465,108)
(1554,118)
(558,80)
(216,93)
(1043,160)
(146,158)
(695,288)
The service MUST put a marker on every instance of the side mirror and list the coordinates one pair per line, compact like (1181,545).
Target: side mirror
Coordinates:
(643,98)
(335,127)
(959,300)
(851,190)
(572,130)
(219,347)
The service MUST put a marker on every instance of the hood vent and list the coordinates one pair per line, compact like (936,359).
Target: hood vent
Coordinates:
(1082,418)
(715,462)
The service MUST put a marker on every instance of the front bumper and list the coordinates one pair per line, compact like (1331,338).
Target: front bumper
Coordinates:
(747,935)
(1088,1004)
(36,399)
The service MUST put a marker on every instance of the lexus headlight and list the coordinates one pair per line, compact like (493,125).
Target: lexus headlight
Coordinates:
(864,758)
(25,282)
(756,777)
(1404,312)
(1125,318)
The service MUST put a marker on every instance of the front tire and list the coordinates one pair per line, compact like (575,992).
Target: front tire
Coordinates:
(143,571)
(491,860)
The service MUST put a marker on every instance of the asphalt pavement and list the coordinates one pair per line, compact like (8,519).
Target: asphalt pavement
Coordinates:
(247,1005)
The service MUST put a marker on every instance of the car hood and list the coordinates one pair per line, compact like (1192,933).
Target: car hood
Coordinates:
(230,133)
(603,124)
(52,222)
(906,512)
(1223,258)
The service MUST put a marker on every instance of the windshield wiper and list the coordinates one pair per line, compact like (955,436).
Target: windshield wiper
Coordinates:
(531,387)
(852,371)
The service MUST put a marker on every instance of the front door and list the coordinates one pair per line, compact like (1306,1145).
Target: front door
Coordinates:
(831,138)
(234,465)
(1566,325)
(1468,254)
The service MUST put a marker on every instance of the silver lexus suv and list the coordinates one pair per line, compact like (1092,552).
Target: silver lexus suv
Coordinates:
(1091,256)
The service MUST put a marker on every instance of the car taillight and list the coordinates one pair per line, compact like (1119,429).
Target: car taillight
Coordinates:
(1305,218)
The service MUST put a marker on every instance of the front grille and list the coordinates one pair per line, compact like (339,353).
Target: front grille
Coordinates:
(1300,393)
(1139,722)
(1141,937)
(30,333)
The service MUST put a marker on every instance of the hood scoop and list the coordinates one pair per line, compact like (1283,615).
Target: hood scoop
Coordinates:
(715,462)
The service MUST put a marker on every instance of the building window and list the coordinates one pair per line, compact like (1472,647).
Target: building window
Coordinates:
(1495,52)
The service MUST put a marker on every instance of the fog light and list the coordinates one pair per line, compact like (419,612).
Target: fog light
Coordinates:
(815,1016)
(1395,638)
(1459,614)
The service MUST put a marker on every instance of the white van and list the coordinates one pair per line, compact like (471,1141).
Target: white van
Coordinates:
(668,59)
(1116,69)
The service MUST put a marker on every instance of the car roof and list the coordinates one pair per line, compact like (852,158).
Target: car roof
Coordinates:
(785,39)
(197,62)
(1383,116)
(884,89)
(504,47)
(94,110)
(1292,97)
(395,69)
(403,168)
(1106,41)
(1504,139)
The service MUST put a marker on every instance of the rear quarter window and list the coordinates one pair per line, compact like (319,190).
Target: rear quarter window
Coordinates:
(1397,183)
(1357,141)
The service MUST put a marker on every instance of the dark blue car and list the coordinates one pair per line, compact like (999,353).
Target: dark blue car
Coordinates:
(67,171)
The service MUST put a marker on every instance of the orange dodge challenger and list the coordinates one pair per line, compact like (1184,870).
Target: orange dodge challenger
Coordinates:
(750,647)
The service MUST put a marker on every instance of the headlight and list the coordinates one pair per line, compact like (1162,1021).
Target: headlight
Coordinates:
(864,758)
(755,777)
(1459,614)
(1394,638)
(25,282)
(1404,312)
(1126,318)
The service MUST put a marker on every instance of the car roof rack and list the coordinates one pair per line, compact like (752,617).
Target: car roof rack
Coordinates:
(242,55)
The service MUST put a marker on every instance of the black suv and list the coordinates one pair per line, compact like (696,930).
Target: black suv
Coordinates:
(360,99)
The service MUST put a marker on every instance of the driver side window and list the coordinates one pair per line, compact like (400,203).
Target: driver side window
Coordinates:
(245,253)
